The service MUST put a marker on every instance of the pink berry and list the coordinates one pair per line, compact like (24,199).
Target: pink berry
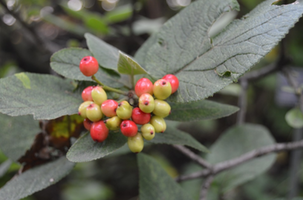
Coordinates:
(142,86)
(109,108)
(87,93)
(89,66)
(87,124)
(140,117)
(99,131)
(128,128)
(174,82)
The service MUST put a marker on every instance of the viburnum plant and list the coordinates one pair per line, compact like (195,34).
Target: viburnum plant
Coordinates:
(169,77)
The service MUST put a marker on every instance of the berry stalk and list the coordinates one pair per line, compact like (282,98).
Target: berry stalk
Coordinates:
(105,87)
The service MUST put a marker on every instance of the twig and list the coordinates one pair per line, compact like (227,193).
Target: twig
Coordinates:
(193,156)
(205,187)
(242,102)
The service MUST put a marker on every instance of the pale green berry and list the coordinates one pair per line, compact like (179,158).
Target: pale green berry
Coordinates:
(99,95)
(148,131)
(93,112)
(135,143)
(158,123)
(162,89)
(113,123)
(124,110)
(146,103)
(162,108)
(82,108)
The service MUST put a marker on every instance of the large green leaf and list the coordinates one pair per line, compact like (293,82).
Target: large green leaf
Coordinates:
(17,135)
(235,142)
(85,149)
(203,65)
(35,179)
(44,96)
(155,183)
(66,62)
(126,65)
(200,110)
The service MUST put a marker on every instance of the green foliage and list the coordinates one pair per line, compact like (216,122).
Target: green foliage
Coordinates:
(126,65)
(294,118)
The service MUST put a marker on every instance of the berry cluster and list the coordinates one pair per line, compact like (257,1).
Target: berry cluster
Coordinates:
(102,114)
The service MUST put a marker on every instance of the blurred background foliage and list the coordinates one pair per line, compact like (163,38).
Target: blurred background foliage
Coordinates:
(32,30)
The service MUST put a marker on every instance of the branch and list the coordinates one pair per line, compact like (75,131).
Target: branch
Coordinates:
(242,102)
(205,187)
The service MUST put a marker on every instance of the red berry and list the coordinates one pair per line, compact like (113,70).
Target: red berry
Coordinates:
(174,82)
(87,93)
(142,86)
(87,124)
(99,131)
(89,66)
(140,117)
(128,128)
(109,108)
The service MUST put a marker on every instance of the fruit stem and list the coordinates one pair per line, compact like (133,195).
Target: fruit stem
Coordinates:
(105,87)
(132,81)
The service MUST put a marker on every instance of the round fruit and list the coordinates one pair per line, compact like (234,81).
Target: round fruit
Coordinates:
(99,131)
(87,93)
(82,108)
(124,110)
(99,95)
(89,66)
(148,131)
(136,143)
(162,89)
(140,117)
(173,80)
(146,103)
(93,112)
(158,123)
(113,123)
(87,124)
(109,108)
(142,86)
(128,128)
(162,108)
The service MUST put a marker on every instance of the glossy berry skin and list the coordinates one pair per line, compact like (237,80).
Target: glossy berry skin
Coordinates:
(173,80)
(82,108)
(146,103)
(93,112)
(128,128)
(89,66)
(113,123)
(109,108)
(144,85)
(99,95)
(87,124)
(162,108)
(148,131)
(158,123)
(99,131)
(135,143)
(162,89)
(124,110)
(87,94)
(140,117)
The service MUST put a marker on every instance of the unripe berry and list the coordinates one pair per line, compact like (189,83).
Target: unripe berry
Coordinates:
(99,95)
(113,123)
(140,117)
(146,103)
(136,143)
(82,108)
(99,131)
(162,89)
(158,123)
(89,66)
(142,86)
(93,112)
(124,110)
(87,94)
(109,108)
(87,124)
(128,128)
(148,131)
(173,80)
(162,108)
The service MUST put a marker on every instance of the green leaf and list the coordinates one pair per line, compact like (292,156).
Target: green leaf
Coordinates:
(203,65)
(119,14)
(200,110)
(106,54)
(294,118)
(4,167)
(172,135)
(155,183)
(85,149)
(24,128)
(44,96)
(126,65)
(66,62)
(36,179)
(235,142)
